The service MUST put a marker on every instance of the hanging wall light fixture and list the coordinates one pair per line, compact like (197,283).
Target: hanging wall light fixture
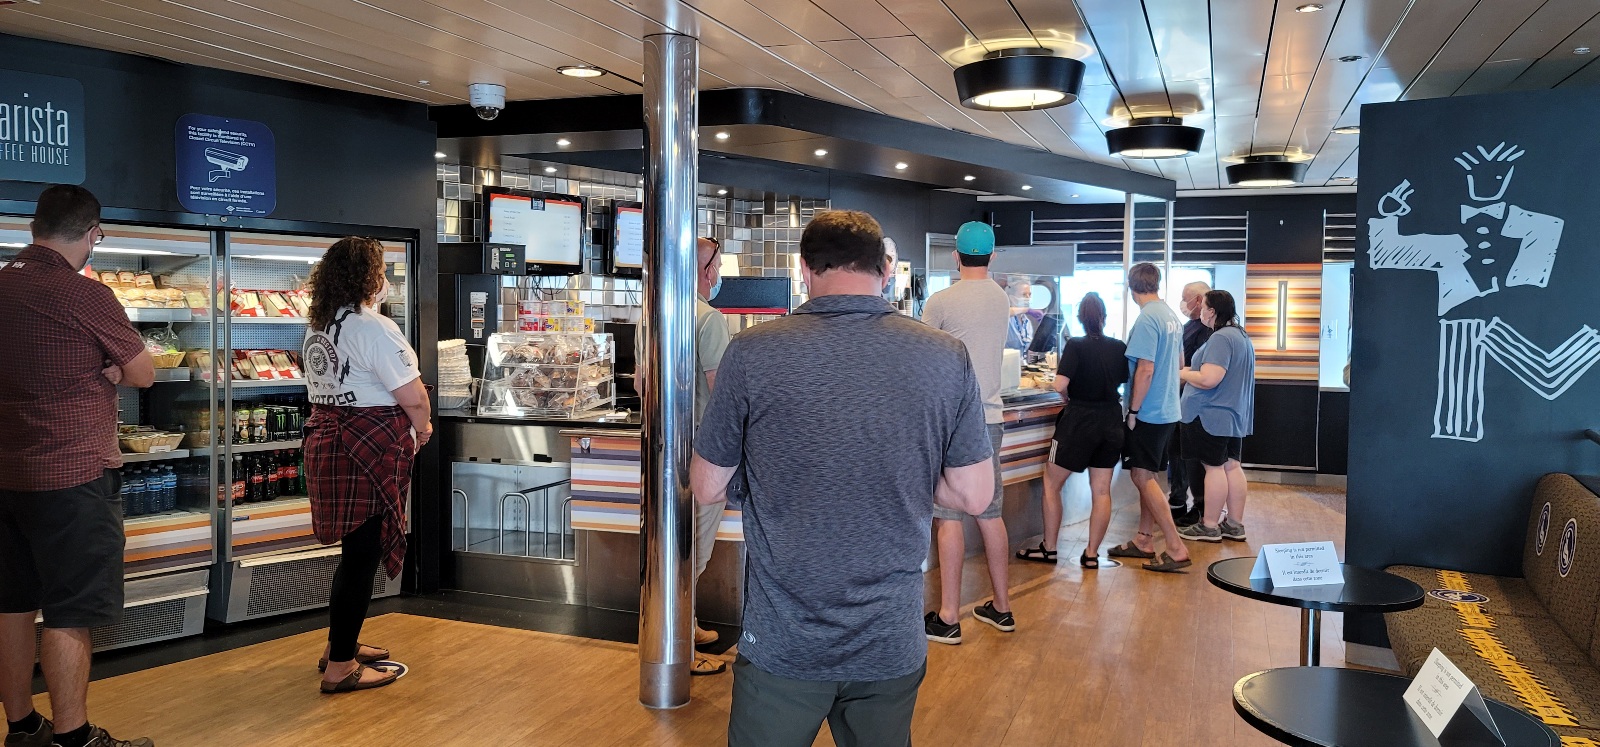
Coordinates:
(1155,137)
(1266,171)
(1019,79)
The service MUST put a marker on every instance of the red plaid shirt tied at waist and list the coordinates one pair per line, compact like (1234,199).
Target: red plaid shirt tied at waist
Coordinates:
(358,465)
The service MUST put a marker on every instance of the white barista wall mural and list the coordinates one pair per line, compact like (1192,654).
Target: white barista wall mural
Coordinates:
(1473,264)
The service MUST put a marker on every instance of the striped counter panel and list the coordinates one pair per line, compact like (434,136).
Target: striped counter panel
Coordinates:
(167,541)
(273,527)
(1026,444)
(606,484)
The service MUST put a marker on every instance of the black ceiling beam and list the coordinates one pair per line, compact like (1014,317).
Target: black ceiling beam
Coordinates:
(618,122)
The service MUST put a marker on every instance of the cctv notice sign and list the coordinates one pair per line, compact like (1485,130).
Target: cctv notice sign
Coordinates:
(41,128)
(226,166)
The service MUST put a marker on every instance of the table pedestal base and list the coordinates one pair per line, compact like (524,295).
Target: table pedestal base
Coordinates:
(1310,638)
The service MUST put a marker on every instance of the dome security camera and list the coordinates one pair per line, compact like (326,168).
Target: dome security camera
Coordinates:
(487,99)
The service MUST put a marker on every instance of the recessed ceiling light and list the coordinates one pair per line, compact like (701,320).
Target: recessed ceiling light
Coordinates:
(549,169)
(1353,58)
(1580,50)
(902,166)
(563,142)
(1018,79)
(1074,195)
(1026,187)
(723,136)
(722,191)
(1308,8)
(438,155)
(969,177)
(1348,130)
(820,152)
(422,82)
(580,71)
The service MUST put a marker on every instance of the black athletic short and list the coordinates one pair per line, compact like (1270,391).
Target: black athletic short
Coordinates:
(1088,434)
(1146,446)
(1212,451)
(61,552)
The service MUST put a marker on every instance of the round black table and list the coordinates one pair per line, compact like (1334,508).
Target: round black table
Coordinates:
(1363,590)
(1333,707)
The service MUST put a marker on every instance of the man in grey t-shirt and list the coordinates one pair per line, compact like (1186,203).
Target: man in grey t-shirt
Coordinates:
(976,310)
(840,463)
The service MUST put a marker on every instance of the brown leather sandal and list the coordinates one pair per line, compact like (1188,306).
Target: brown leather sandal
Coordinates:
(1165,564)
(322,664)
(353,682)
(705,666)
(1129,550)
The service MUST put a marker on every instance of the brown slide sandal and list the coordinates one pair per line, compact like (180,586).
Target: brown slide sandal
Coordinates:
(1129,550)
(705,666)
(383,654)
(353,682)
(1165,564)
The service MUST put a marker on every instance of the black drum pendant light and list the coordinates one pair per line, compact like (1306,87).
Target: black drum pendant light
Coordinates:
(1155,137)
(1019,79)
(1266,171)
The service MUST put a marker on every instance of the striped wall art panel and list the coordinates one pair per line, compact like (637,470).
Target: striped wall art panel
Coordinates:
(1283,316)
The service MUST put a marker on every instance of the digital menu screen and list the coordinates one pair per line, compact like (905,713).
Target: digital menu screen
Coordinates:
(550,226)
(627,238)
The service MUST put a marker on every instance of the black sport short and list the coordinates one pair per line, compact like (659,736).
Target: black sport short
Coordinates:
(1088,434)
(61,552)
(1146,446)
(1212,451)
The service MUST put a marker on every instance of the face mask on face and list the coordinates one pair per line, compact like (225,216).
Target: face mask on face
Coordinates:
(383,293)
(715,289)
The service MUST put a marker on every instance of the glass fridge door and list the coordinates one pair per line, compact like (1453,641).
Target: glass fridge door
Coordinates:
(264,403)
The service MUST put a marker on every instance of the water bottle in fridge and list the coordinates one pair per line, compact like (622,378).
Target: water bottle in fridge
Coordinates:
(169,489)
(126,504)
(136,493)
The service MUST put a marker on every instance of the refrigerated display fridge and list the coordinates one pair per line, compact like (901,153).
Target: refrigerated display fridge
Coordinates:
(218,524)
(270,561)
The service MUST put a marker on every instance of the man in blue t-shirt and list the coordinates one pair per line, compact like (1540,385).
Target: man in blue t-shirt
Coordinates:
(1155,351)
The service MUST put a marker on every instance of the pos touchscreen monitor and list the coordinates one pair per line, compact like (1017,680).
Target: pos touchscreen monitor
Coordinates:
(549,226)
(626,240)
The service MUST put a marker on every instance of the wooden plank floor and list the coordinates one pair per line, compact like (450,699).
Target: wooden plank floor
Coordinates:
(1115,657)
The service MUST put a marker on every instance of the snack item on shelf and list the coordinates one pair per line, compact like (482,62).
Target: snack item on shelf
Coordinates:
(197,300)
(108,277)
(301,300)
(144,280)
(126,276)
(247,303)
(276,304)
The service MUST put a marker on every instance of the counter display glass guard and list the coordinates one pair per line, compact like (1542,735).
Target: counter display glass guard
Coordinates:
(547,374)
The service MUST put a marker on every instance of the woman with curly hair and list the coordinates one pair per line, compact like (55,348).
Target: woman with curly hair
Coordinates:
(369,416)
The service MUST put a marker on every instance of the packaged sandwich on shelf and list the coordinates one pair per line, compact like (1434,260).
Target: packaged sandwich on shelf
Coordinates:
(546,374)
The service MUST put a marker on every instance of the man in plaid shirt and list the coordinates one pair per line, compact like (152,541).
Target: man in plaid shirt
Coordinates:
(61,540)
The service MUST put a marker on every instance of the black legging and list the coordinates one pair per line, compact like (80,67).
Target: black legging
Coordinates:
(359,556)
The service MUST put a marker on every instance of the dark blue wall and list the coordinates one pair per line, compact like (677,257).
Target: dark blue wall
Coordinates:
(1444,502)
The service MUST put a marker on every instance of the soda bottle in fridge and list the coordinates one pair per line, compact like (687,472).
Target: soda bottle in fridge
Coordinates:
(241,482)
(291,474)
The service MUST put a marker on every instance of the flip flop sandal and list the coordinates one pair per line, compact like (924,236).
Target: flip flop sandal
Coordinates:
(322,664)
(1129,550)
(705,666)
(353,682)
(1037,554)
(1165,564)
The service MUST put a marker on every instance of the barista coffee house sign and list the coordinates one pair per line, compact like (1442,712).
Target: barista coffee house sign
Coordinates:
(41,128)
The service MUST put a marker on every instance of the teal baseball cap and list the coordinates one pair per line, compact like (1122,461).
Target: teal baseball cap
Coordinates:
(975,239)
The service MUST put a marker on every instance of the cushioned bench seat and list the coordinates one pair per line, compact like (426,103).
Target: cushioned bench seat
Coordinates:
(1531,641)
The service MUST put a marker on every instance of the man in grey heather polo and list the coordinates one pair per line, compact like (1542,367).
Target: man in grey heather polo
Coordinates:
(845,422)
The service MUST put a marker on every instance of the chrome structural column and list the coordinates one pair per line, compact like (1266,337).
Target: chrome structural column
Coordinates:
(1310,638)
(666,376)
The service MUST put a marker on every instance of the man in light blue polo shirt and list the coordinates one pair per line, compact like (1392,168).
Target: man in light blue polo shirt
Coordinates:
(1155,353)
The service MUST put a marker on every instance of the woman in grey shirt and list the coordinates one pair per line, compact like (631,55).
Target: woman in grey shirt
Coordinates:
(1218,412)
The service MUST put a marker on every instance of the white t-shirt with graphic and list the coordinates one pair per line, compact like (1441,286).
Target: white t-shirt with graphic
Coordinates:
(358,361)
